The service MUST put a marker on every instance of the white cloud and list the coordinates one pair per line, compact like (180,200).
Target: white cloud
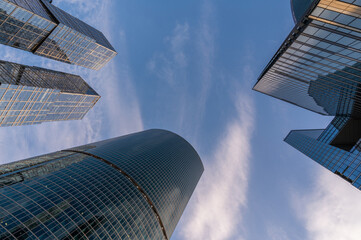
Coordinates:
(170,67)
(120,99)
(276,233)
(332,210)
(178,41)
(206,45)
(190,81)
(221,195)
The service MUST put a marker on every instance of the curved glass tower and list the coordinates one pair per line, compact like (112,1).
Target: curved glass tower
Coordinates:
(131,187)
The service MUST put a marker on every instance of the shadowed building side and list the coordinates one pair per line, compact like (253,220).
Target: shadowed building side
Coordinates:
(299,8)
(318,67)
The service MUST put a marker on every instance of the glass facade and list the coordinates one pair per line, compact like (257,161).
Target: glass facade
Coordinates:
(40,27)
(299,8)
(346,164)
(32,95)
(22,28)
(131,187)
(318,67)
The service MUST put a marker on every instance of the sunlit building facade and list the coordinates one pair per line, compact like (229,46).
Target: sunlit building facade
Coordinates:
(32,95)
(131,187)
(40,27)
(318,67)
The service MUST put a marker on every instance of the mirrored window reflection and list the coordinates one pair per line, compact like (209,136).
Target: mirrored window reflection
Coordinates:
(320,68)
(21,28)
(30,26)
(67,45)
(31,95)
(73,197)
(354,2)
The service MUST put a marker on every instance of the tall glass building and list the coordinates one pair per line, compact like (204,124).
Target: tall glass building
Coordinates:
(39,27)
(318,67)
(32,95)
(131,187)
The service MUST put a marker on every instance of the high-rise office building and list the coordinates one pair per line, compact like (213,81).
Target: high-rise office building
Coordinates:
(318,67)
(32,95)
(40,27)
(131,187)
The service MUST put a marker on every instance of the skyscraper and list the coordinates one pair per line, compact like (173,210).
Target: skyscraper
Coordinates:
(131,187)
(40,27)
(31,95)
(318,67)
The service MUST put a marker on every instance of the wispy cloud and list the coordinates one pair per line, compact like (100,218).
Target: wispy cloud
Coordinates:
(221,196)
(276,233)
(187,67)
(206,47)
(171,70)
(332,210)
(170,66)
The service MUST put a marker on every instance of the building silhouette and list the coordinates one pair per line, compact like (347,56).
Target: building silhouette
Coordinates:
(40,27)
(131,187)
(32,95)
(318,67)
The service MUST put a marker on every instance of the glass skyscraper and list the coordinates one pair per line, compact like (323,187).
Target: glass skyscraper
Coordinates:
(32,95)
(39,27)
(131,187)
(318,67)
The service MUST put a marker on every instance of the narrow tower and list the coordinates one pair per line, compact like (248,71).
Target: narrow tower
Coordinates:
(32,95)
(40,27)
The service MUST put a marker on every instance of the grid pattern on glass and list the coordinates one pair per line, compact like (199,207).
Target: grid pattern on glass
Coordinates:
(70,46)
(355,2)
(69,107)
(22,28)
(40,27)
(17,74)
(162,163)
(65,82)
(31,95)
(82,199)
(78,25)
(343,163)
(33,6)
(23,105)
(30,162)
(319,65)
(333,129)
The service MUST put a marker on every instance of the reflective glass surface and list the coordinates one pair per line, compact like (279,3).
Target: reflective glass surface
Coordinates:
(168,173)
(299,8)
(319,65)
(40,27)
(68,45)
(21,28)
(75,194)
(346,164)
(31,95)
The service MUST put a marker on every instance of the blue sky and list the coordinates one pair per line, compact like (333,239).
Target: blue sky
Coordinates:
(189,66)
